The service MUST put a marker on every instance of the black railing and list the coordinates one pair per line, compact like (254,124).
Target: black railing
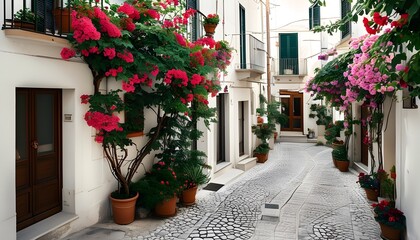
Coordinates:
(50,17)
(253,53)
(291,66)
(195,26)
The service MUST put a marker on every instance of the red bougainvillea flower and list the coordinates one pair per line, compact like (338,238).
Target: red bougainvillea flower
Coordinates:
(126,56)
(181,40)
(400,22)
(153,14)
(378,19)
(110,53)
(84,29)
(67,53)
(84,99)
(367,26)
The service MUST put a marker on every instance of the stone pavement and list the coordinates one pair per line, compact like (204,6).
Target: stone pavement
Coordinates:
(310,199)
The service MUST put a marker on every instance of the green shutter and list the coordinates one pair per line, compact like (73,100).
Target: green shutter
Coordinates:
(242,32)
(289,52)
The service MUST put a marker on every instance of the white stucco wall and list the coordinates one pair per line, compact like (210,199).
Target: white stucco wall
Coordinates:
(408,167)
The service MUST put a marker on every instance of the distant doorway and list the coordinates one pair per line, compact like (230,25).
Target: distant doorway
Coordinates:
(38,155)
(221,127)
(292,106)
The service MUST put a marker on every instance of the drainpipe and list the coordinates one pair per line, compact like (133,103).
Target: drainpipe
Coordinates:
(267,19)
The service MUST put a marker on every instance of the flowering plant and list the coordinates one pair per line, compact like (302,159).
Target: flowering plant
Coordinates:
(159,184)
(141,45)
(386,214)
(369,181)
(211,19)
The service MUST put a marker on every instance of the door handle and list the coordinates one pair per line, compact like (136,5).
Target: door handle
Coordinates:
(35,144)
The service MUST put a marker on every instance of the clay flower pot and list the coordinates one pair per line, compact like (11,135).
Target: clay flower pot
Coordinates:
(261,157)
(343,166)
(123,210)
(188,196)
(166,208)
(371,194)
(390,233)
(210,29)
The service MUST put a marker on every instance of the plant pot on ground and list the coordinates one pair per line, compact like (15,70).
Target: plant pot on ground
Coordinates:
(158,188)
(370,183)
(123,210)
(340,156)
(261,152)
(391,220)
(191,176)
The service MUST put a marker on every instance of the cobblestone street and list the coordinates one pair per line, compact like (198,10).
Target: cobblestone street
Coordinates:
(315,201)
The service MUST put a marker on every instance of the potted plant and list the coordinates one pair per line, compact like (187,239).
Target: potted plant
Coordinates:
(370,183)
(192,176)
(390,219)
(158,189)
(275,116)
(340,157)
(24,18)
(210,23)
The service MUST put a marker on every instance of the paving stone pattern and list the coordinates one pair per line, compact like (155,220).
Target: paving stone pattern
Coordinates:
(316,202)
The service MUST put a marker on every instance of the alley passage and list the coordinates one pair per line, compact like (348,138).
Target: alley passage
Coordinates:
(315,200)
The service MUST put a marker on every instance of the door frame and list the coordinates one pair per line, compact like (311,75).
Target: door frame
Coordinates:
(292,95)
(31,93)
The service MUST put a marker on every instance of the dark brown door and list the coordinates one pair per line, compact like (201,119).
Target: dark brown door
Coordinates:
(293,108)
(38,155)
(241,124)
(364,147)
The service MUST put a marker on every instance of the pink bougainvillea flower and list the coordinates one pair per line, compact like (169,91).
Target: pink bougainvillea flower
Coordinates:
(83,29)
(155,71)
(153,14)
(181,40)
(110,53)
(67,53)
(126,56)
(130,10)
(99,138)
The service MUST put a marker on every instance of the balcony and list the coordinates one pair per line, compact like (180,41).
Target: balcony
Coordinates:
(290,69)
(251,64)
(47,17)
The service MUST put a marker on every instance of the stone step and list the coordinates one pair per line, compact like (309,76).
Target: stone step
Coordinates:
(247,163)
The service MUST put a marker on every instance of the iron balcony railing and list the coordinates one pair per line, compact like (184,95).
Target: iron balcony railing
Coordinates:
(195,28)
(50,17)
(291,66)
(251,52)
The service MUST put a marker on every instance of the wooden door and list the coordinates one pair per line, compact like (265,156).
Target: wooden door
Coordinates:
(38,155)
(293,108)
(364,130)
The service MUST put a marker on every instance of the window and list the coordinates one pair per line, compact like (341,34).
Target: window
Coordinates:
(314,16)
(288,53)
(242,36)
(345,9)
(194,27)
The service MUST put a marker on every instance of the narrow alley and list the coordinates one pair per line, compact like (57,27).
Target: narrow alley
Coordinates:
(296,194)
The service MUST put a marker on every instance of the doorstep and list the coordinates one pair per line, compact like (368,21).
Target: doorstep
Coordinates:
(43,227)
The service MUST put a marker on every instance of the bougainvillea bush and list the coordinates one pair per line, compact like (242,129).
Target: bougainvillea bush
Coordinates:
(141,45)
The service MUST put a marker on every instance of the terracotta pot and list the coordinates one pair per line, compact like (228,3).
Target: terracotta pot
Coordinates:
(123,210)
(260,119)
(261,157)
(62,20)
(371,194)
(390,233)
(343,166)
(276,134)
(23,25)
(210,29)
(188,196)
(166,208)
